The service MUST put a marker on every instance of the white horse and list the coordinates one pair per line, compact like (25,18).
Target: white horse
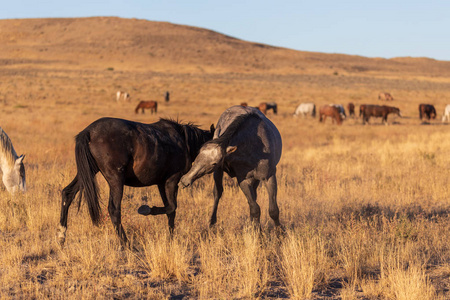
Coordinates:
(446,116)
(124,95)
(11,165)
(305,109)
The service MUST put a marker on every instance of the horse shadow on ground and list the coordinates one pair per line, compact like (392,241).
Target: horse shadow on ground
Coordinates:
(433,124)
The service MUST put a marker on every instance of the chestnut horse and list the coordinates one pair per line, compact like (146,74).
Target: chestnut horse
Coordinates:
(152,105)
(330,111)
(362,107)
(427,110)
(265,106)
(379,111)
(351,109)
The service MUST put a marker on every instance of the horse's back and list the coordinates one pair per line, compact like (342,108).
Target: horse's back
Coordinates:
(305,108)
(134,148)
(257,138)
(447,109)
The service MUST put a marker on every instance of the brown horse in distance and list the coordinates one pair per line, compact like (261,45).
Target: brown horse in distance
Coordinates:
(330,111)
(385,96)
(152,105)
(362,107)
(378,111)
(244,104)
(427,110)
(265,106)
(351,109)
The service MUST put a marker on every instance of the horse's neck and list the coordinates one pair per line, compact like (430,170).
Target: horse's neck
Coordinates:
(8,156)
(195,138)
(5,164)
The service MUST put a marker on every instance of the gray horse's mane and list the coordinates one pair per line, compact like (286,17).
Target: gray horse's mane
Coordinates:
(7,152)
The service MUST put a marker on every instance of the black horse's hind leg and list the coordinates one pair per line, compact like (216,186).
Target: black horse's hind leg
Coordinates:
(114,209)
(68,194)
(164,191)
(274,212)
(218,191)
(248,187)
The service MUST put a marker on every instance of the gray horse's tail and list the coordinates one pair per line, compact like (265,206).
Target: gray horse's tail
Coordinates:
(86,170)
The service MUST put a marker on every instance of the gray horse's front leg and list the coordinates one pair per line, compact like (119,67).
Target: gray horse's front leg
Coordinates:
(218,191)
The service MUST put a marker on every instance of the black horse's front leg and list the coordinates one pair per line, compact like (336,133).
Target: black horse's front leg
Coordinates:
(169,193)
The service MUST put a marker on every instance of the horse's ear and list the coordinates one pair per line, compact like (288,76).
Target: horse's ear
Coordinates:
(231,149)
(20,159)
(212,129)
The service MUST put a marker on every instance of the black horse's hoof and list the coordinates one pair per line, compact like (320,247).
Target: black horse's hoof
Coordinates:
(144,210)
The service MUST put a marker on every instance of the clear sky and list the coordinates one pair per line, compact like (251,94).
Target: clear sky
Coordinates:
(381,28)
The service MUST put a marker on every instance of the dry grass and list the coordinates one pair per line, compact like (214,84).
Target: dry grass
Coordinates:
(366,208)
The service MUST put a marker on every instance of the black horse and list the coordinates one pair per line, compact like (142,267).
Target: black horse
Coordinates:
(132,154)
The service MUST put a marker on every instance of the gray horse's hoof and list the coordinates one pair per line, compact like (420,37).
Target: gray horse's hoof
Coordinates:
(144,210)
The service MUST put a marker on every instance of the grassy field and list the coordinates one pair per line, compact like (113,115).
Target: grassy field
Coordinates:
(365,207)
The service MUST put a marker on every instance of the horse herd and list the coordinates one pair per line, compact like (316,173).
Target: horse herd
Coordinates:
(245,144)
(337,112)
(144,104)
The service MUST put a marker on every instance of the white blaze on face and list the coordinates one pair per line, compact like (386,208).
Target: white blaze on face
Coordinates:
(207,159)
(213,154)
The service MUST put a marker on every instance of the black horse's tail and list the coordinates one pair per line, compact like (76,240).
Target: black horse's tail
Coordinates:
(87,168)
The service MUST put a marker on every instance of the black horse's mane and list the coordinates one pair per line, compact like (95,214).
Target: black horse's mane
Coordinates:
(178,122)
(194,136)
(225,138)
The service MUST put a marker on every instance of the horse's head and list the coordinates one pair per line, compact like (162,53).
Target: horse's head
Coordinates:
(209,159)
(433,113)
(275,110)
(14,178)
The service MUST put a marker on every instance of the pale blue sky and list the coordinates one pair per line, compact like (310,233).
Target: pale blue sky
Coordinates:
(383,28)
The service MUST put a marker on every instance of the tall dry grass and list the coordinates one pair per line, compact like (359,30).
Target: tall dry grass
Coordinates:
(365,207)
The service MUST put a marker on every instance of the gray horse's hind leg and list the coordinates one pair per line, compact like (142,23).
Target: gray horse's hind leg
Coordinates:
(248,187)
(274,212)
(68,194)
(218,191)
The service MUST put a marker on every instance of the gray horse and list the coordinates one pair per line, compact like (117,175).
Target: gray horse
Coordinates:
(247,146)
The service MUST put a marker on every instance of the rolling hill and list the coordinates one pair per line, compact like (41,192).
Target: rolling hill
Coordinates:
(131,44)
